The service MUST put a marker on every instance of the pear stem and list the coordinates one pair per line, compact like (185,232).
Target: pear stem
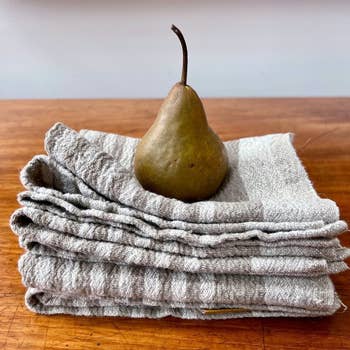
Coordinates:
(184,54)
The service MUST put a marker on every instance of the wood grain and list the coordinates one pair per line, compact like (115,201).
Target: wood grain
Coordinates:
(322,128)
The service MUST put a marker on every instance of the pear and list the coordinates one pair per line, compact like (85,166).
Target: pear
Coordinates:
(180,156)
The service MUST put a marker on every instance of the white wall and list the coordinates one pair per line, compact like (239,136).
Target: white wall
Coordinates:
(76,48)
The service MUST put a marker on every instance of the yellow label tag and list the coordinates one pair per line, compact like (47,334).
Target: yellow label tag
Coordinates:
(223,311)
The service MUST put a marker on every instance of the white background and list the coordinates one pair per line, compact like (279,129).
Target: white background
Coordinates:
(73,48)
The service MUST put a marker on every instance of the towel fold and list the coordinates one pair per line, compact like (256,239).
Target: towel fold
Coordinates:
(59,285)
(99,244)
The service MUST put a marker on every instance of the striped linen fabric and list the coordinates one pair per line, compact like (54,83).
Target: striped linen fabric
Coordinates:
(98,244)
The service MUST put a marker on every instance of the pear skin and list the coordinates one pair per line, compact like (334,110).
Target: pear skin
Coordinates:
(180,156)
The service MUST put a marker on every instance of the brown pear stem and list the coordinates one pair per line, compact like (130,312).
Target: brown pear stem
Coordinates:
(184,54)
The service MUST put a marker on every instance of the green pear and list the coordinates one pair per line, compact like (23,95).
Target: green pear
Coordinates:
(180,156)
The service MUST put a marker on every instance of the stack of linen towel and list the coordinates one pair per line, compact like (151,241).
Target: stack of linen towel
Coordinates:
(98,244)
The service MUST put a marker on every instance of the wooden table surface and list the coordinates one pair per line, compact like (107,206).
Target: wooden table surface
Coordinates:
(322,128)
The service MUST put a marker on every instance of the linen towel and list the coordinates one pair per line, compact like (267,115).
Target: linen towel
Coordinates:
(86,220)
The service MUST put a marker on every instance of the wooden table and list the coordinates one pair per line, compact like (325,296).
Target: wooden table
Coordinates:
(322,128)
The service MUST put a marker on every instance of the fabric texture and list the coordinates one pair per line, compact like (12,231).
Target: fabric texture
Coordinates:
(98,244)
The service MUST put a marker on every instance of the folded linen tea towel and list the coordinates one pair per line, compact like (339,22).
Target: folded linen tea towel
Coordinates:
(99,244)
